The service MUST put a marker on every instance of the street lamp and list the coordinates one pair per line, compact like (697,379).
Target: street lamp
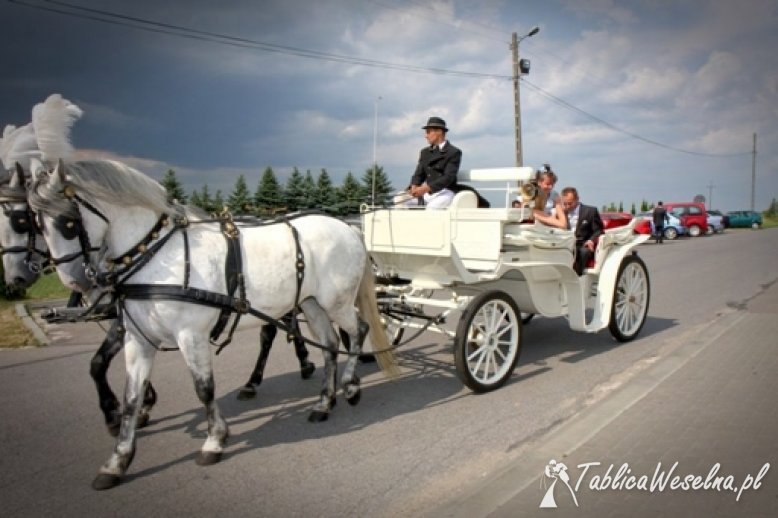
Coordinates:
(375,146)
(517,71)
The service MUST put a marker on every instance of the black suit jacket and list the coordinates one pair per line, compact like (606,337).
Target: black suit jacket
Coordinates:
(589,224)
(438,168)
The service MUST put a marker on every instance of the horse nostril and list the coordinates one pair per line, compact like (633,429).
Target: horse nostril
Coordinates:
(19,281)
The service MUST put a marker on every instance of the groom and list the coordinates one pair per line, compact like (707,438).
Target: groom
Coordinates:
(586,222)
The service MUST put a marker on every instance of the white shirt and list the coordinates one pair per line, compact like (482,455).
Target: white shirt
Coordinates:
(572,217)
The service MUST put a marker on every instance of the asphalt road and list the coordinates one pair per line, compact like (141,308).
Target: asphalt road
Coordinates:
(410,445)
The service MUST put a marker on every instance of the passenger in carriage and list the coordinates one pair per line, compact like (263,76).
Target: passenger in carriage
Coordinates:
(434,182)
(586,222)
(553,214)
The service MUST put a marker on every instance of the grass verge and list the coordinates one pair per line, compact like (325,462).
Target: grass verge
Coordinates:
(13,332)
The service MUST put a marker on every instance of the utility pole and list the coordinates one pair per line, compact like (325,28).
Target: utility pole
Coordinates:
(515,40)
(753,175)
(710,187)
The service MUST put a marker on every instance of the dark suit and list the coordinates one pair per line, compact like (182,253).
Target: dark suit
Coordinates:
(438,168)
(588,228)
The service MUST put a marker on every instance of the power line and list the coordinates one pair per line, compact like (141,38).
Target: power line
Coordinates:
(147,25)
(571,107)
(234,41)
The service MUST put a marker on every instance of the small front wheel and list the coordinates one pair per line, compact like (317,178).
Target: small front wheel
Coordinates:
(630,299)
(488,341)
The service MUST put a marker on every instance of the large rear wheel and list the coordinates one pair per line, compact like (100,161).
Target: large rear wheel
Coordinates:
(630,299)
(488,341)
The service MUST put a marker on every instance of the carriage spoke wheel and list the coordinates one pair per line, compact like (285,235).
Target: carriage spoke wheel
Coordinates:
(630,299)
(488,341)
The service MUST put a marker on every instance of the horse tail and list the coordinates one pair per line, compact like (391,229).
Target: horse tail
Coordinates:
(368,309)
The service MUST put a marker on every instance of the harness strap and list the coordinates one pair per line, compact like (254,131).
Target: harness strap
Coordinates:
(233,274)
(299,265)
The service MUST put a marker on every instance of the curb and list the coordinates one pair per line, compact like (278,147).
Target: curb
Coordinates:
(491,493)
(31,324)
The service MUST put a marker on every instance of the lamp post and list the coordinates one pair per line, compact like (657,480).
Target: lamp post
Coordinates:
(375,147)
(515,40)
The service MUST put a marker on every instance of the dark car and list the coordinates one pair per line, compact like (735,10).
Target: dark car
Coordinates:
(744,219)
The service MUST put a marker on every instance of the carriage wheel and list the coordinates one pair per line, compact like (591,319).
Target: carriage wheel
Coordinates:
(488,341)
(630,299)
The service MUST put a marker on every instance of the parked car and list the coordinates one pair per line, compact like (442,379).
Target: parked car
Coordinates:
(744,219)
(715,222)
(692,215)
(724,217)
(615,219)
(673,227)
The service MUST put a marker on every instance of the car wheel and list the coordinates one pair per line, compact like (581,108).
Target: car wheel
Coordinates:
(755,225)
(694,231)
(671,233)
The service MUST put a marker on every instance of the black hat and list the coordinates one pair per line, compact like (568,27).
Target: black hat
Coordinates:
(436,122)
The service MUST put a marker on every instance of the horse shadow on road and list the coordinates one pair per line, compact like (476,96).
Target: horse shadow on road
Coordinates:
(279,413)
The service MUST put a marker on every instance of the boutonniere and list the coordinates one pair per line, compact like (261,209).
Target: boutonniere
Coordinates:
(584,222)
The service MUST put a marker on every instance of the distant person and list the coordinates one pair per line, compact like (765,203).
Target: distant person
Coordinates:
(660,217)
(434,182)
(585,221)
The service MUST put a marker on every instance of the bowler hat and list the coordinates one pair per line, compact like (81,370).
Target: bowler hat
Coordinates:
(435,122)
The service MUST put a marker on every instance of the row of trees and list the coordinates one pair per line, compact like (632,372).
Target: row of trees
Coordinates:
(644,207)
(300,192)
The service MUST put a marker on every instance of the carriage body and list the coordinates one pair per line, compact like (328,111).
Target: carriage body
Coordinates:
(494,258)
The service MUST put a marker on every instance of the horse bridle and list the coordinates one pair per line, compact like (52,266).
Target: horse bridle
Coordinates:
(73,227)
(22,221)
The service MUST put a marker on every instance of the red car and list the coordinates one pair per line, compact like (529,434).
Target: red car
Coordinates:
(692,215)
(620,219)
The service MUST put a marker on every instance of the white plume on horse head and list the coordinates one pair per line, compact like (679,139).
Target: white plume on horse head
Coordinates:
(18,145)
(45,139)
(52,121)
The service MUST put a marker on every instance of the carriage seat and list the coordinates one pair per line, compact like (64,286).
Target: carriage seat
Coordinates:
(464,200)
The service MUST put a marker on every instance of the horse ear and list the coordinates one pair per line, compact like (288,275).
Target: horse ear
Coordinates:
(17,178)
(57,179)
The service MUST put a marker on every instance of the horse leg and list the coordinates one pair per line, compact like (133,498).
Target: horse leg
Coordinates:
(320,325)
(139,358)
(306,367)
(266,337)
(149,400)
(350,380)
(197,355)
(98,368)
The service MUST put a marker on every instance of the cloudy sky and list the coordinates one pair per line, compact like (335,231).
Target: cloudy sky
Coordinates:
(628,100)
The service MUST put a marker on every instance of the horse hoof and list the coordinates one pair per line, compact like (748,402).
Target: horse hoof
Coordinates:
(317,416)
(105,481)
(113,428)
(306,370)
(354,399)
(143,420)
(206,458)
(246,393)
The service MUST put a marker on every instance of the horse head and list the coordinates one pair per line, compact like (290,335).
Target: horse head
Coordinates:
(21,245)
(68,229)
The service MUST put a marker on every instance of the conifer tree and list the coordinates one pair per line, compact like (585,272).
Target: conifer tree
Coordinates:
(269,194)
(350,195)
(308,191)
(383,187)
(175,191)
(239,202)
(326,196)
(293,194)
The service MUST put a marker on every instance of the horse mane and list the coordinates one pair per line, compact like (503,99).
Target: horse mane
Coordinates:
(104,180)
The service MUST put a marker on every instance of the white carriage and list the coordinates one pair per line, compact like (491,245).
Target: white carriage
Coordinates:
(495,268)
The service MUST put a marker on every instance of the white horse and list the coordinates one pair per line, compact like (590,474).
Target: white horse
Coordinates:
(111,205)
(22,247)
